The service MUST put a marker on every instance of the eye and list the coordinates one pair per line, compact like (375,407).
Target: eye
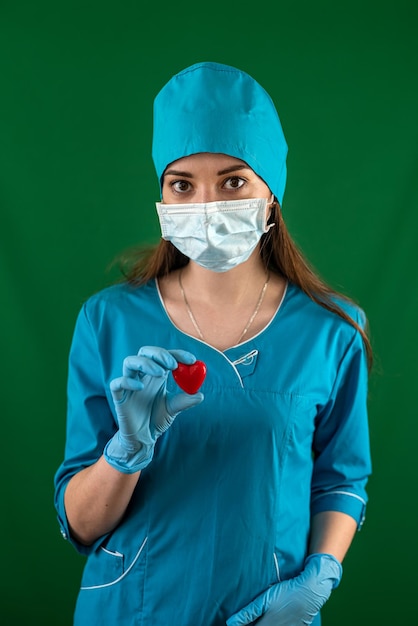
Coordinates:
(180,186)
(234,182)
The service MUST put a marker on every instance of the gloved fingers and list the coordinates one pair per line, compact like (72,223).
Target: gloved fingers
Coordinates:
(134,366)
(237,620)
(147,356)
(177,402)
(182,356)
(160,356)
(241,618)
(120,387)
(251,612)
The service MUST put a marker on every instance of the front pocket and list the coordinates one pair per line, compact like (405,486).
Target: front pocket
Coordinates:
(105,567)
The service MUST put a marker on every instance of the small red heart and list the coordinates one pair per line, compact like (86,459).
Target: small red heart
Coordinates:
(190,377)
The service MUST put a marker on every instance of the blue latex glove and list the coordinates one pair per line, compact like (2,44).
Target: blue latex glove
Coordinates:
(294,602)
(144,408)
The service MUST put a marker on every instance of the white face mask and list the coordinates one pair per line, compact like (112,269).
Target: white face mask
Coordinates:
(216,235)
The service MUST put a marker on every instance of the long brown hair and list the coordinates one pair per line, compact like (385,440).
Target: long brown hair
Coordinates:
(279,253)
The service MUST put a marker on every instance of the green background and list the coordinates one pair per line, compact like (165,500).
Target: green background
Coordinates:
(77,187)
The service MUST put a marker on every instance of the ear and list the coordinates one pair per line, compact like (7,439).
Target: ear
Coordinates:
(273,207)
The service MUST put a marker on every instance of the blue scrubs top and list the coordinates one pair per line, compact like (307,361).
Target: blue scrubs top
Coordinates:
(223,510)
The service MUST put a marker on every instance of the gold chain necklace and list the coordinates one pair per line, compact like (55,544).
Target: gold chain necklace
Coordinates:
(250,321)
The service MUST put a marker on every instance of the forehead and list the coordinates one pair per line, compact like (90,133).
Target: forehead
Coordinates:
(206,160)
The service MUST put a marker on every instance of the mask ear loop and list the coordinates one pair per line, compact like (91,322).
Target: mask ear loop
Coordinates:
(271,202)
(268,230)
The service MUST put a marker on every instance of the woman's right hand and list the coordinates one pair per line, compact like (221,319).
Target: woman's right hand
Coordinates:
(144,408)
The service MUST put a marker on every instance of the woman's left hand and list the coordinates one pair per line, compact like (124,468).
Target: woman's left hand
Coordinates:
(294,602)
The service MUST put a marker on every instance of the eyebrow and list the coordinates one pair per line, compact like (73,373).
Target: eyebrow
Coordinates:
(227,170)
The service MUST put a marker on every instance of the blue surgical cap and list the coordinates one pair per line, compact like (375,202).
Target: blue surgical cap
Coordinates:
(211,107)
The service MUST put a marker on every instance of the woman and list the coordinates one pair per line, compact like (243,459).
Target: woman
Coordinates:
(238,501)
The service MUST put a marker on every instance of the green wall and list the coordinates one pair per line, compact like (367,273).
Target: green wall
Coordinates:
(77,187)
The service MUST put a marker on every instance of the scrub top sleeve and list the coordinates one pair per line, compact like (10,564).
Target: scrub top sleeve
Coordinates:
(90,422)
(341,446)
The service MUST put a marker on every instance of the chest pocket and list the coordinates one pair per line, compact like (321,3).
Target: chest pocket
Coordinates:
(246,363)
